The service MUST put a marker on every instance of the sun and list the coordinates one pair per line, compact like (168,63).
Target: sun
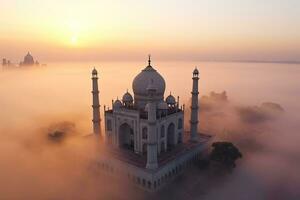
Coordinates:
(74,40)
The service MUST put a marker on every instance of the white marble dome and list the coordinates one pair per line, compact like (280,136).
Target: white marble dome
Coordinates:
(142,80)
(117,104)
(127,98)
(146,82)
(171,100)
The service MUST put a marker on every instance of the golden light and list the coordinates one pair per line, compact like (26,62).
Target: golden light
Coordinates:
(74,40)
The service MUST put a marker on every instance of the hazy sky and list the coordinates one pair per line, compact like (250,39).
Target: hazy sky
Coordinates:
(169,29)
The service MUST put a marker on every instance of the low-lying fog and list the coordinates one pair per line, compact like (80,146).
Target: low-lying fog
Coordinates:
(37,101)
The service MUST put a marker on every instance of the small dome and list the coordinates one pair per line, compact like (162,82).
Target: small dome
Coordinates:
(94,72)
(127,98)
(117,104)
(171,100)
(196,71)
(162,106)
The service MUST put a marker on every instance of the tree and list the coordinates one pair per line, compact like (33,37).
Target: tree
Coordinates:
(225,154)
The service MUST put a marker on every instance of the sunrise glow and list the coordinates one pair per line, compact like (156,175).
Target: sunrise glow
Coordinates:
(209,30)
(149,99)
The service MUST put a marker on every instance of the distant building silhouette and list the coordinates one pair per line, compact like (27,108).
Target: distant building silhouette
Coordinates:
(4,62)
(28,60)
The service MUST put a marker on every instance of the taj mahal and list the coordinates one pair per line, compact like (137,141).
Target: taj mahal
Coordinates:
(144,134)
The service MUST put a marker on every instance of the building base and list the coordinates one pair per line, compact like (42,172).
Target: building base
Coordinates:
(123,163)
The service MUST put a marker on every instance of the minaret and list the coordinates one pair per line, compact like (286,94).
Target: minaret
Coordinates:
(152,136)
(96,105)
(194,107)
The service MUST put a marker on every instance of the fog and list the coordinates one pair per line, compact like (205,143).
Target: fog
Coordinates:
(268,138)
(37,102)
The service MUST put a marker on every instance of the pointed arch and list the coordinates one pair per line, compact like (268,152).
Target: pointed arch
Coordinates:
(126,137)
(171,136)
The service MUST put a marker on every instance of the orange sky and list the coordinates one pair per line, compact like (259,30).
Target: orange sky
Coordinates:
(186,30)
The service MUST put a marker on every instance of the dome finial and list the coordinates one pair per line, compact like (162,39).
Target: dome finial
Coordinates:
(149,60)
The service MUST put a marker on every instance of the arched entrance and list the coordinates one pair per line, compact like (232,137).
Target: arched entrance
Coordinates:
(126,137)
(171,136)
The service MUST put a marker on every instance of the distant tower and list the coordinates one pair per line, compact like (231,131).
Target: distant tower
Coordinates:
(152,136)
(194,107)
(4,62)
(96,105)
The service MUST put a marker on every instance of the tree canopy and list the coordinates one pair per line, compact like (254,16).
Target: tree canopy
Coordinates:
(225,153)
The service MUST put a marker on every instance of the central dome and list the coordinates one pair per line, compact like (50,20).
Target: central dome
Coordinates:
(28,59)
(141,82)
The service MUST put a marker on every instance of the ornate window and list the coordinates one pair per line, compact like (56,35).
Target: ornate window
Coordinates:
(145,133)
